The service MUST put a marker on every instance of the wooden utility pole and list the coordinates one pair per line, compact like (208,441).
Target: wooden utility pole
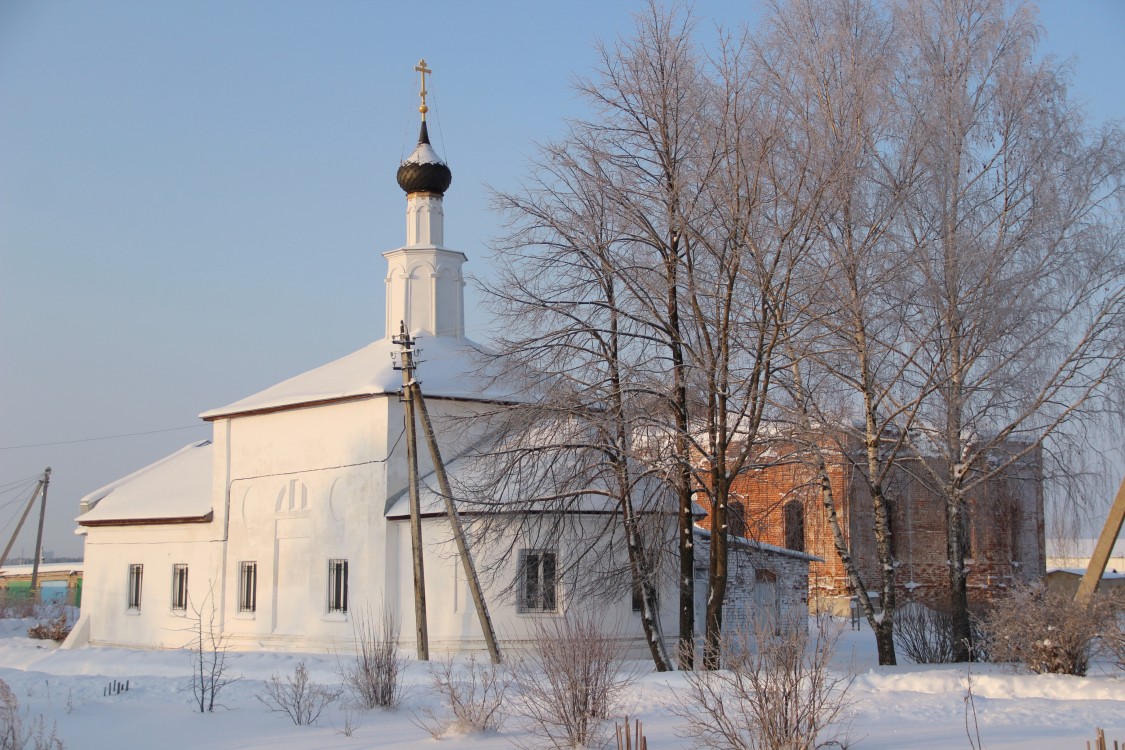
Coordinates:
(39,537)
(39,487)
(458,530)
(1096,567)
(422,633)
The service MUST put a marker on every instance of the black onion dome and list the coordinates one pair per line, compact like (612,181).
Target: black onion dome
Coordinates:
(424,171)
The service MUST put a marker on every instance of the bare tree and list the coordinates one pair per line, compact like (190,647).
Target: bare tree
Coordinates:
(594,292)
(849,354)
(210,674)
(575,345)
(1015,240)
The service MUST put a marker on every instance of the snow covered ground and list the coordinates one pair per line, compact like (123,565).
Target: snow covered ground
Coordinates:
(898,707)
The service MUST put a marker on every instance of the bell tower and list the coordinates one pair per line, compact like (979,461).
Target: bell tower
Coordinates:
(425,287)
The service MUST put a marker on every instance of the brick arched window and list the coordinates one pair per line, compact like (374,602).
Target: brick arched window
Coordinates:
(736,518)
(794,521)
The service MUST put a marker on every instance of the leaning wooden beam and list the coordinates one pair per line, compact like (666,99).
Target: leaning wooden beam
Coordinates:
(1100,558)
(458,530)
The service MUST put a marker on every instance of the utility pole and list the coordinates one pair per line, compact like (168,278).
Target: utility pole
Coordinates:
(1096,567)
(458,530)
(422,634)
(39,487)
(39,537)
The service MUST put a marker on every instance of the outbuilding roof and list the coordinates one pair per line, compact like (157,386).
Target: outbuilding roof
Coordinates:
(175,489)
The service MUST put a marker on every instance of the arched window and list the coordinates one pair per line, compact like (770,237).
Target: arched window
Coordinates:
(736,518)
(794,519)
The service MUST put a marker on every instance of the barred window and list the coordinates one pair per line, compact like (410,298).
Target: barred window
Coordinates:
(337,585)
(247,586)
(538,590)
(133,597)
(179,586)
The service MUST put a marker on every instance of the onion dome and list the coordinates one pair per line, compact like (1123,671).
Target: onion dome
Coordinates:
(424,171)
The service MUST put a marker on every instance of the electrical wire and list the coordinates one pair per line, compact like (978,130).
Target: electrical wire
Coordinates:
(102,437)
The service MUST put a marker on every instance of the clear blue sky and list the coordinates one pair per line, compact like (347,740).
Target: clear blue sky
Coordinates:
(194,195)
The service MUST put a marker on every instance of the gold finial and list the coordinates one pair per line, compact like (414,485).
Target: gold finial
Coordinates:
(421,68)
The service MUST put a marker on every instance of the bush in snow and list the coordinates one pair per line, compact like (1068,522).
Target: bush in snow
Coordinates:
(19,731)
(374,675)
(57,628)
(299,698)
(1113,636)
(575,684)
(923,634)
(775,692)
(473,698)
(1045,630)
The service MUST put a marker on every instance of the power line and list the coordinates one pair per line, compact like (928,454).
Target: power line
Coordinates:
(101,437)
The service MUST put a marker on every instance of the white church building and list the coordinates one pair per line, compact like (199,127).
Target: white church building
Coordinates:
(294,516)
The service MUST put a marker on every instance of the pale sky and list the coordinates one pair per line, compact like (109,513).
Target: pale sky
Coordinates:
(195,196)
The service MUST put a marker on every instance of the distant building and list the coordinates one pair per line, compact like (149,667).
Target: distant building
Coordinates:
(780,504)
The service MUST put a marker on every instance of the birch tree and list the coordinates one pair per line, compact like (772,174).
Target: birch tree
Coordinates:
(1016,243)
(846,379)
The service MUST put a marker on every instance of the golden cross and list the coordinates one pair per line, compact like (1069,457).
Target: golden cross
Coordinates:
(421,68)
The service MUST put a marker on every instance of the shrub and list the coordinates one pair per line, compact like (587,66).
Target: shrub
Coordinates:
(473,701)
(1113,634)
(374,675)
(298,697)
(19,730)
(55,629)
(575,684)
(776,692)
(1045,630)
(924,635)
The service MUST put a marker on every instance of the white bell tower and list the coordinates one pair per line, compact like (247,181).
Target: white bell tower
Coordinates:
(425,287)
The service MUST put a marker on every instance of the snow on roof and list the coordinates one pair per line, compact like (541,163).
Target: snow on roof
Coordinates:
(464,472)
(175,487)
(25,569)
(424,154)
(447,367)
(753,544)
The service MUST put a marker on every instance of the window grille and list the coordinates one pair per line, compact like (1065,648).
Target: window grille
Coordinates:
(134,593)
(539,581)
(337,585)
(179,586)
(247,586)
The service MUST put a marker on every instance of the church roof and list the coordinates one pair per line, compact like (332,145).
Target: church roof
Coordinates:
(424,171)
(448,367)
(177,488)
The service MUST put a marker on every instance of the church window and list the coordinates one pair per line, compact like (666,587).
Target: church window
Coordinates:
(247,586)
(538,572)
(736,518)
(337,585)
(794,525)
(179,586)
(134,593)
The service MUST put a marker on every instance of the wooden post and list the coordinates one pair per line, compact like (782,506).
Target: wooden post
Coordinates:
(458,530)
(1100,558)
(422,633)
(39,537)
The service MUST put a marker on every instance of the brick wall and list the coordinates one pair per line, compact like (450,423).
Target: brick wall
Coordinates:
(1006,528)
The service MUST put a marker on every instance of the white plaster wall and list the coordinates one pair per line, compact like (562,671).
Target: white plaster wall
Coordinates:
(452,619)
(109,553)
(306,486)
(425,287)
